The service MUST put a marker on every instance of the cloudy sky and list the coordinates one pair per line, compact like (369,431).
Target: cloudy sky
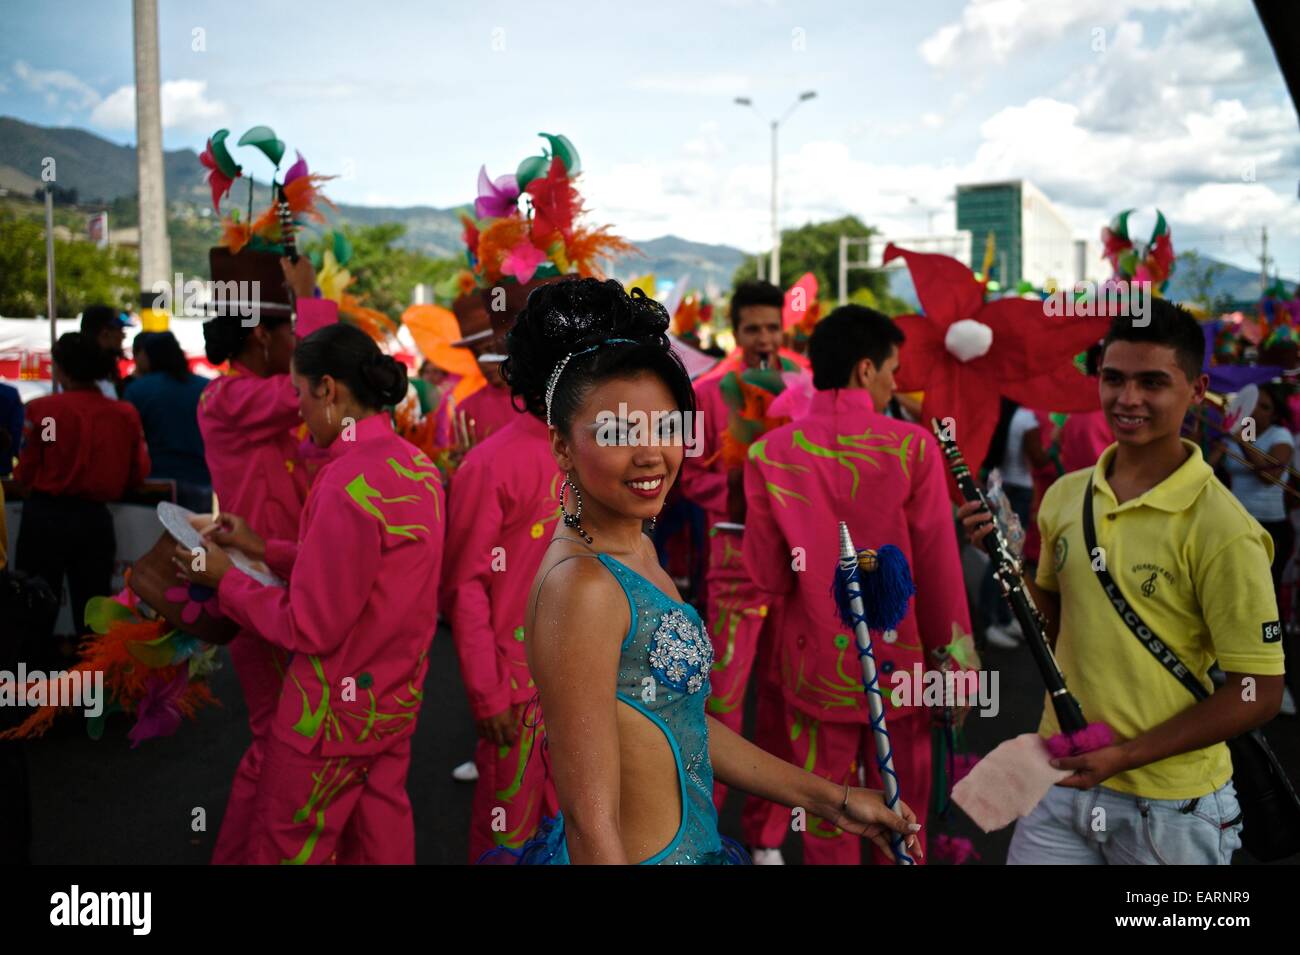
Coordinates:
(1103,104)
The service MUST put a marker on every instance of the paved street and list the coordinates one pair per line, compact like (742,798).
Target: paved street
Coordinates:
(101,802)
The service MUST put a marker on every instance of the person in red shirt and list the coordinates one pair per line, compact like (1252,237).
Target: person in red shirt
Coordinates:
(80,450)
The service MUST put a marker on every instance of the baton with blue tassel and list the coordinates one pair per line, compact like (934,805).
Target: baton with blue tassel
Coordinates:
(872,589)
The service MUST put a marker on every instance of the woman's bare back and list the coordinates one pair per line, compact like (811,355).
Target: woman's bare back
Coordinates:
(649,797)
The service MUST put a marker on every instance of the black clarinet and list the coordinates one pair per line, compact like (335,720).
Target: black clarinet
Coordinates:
(1006,570)
(286,224)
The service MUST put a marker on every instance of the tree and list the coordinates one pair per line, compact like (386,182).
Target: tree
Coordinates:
(85,274)
(1201,275)
(815,248)
(385,276)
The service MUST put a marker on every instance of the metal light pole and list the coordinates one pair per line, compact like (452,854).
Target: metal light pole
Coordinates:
(929,213)
(49,264)
(775,124)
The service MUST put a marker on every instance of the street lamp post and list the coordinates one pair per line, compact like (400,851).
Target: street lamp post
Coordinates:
(774,269)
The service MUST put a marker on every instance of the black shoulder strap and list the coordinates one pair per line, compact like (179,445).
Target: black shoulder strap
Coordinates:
(1145,635)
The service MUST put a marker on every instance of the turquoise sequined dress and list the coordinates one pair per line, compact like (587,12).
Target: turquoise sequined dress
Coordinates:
(663,674)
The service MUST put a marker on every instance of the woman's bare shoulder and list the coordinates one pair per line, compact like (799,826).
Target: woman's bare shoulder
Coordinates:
(575,594)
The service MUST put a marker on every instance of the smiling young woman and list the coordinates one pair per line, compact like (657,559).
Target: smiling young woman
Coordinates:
(621,662)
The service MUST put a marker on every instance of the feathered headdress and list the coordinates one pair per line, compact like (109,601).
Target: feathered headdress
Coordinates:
(544,238)
(1153,262)
(301,191)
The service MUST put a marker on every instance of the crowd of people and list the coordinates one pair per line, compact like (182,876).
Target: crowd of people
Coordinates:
(610,708)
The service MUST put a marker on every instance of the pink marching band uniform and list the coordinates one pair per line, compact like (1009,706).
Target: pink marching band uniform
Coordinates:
(358,616)
(259,473)
(735,609)
(1084,436)
(490,408)
(503,506)
(844,461)
(1042,478)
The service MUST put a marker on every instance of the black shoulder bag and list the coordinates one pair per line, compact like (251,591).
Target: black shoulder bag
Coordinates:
(1269,804)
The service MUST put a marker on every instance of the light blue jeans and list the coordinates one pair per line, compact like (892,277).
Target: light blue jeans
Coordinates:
(1100,826)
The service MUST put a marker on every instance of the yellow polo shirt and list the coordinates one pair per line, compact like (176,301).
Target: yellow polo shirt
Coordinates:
(1195,566)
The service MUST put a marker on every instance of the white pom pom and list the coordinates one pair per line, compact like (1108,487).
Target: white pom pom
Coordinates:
(968,339)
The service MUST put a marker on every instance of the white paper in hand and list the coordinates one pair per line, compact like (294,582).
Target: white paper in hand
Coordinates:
(1008,783)
(176,520)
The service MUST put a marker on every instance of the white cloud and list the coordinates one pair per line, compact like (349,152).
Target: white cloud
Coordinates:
(1198,177)
(116,111)
(60,87)
(1185,112)
(185,107)
(1235,207)
(708,144)
(991,31)
(716,202)
(1211,176)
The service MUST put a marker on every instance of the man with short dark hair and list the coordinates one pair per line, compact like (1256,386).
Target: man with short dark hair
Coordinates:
(846,461)
(1194,565)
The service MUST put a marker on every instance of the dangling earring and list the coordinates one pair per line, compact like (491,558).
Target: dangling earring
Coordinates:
(266,354)
(573,520)
(653,521)
(329,414)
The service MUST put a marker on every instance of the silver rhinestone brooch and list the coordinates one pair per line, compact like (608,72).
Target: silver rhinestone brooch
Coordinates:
(680,653)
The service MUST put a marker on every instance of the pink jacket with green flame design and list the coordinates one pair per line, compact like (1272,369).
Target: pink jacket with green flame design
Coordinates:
(362,602)
(503,508)
(248,425)
(845,461)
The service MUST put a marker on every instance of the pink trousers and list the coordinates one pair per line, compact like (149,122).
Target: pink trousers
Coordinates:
(835,750)
(514,792)
(260,669)
(349,810)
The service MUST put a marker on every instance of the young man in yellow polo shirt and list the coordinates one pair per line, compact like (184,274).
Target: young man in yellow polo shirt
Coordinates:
(1195,566)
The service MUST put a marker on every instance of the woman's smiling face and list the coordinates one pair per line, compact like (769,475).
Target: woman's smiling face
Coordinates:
(622,447)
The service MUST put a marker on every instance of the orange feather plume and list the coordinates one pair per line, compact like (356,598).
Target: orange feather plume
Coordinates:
(591,245)
(370,320)
(235,235)
(495,243)
(125,677)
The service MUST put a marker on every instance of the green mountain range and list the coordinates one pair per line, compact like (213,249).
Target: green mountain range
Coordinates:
(101,172)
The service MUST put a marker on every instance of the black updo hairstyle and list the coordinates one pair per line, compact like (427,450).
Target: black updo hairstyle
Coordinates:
(225,337)
(573,314)
(81,359)
(347,354)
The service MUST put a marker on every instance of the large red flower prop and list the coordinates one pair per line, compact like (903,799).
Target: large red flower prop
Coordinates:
(555,203)
(1008,347)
